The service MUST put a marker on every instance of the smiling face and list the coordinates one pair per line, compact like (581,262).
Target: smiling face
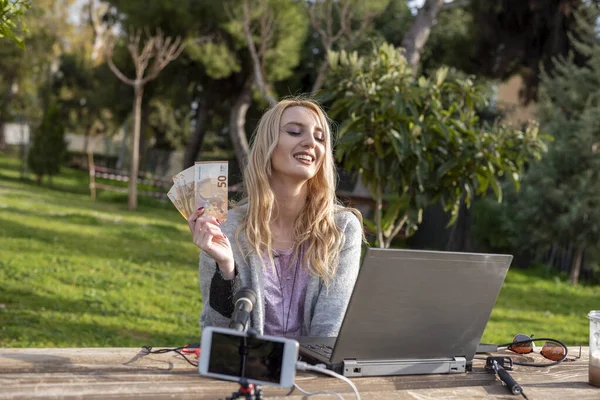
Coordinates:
(301,146)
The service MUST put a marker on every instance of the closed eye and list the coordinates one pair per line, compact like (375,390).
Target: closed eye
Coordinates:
(293,133)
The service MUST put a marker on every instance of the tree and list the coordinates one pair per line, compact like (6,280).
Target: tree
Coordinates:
(277,30)
(11,13)
(338,25)
(266,23)
(100,26)
(25,75)
(557,211)
(418,141)
(271,28)
(451,41)
(517,36)
(79,88)
(49,146)
(161,51)
(414,40)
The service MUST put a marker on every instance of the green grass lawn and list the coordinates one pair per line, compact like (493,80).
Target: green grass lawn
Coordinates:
(75,273)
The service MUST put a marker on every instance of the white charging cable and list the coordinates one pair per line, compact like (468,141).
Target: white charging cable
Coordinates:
(320,368)
(310,394)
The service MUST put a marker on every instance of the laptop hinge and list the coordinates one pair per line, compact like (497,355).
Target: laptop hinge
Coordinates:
(354,368)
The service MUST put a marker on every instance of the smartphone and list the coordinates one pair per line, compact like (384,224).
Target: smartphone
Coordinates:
(265,360)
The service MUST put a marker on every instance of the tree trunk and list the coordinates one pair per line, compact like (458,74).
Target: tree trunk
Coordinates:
(256,61)
(576,266)
(551,257)
(459,238)
(378,223)
(143,150)
(86,140)
(237,122)
(321,75)
(414,40)
(7,100)
(195,143)
(567,260)
(3,145)
(135,153)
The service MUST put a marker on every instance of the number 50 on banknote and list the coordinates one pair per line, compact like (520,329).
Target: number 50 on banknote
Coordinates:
(211,188)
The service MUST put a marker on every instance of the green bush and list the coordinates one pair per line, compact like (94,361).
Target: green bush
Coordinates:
(416,141)
(49,147)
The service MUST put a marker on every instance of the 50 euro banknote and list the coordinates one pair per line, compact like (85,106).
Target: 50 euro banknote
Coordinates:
(203,185)
(212,188)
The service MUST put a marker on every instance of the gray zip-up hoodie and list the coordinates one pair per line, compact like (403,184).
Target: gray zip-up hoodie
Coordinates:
(324,308)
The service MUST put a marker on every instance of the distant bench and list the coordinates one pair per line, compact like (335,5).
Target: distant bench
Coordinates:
(159,184)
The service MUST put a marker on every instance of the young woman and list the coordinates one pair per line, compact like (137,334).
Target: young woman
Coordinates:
(289,239)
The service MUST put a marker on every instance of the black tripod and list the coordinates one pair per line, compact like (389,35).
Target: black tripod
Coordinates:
(248,391)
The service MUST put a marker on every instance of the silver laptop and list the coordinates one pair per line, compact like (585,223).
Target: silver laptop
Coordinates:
(413,312)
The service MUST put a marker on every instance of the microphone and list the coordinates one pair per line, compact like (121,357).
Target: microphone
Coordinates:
(242,307)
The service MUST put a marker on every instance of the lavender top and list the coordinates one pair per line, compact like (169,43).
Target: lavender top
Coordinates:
(285,291)
(324,307)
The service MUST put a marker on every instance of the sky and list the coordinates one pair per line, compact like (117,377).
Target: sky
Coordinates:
(415,3)
(75,12)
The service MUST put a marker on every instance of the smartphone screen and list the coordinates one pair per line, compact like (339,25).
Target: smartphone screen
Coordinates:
(260,359)
(263,359)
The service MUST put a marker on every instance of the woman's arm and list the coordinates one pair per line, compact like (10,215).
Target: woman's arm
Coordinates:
(217,293)
(218,278)
(332,302)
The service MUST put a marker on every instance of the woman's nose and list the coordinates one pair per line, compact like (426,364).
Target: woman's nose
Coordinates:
(309,141)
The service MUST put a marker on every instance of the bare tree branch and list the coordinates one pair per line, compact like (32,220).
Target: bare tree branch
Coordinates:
(166,50)
(110,45)
(257,66)
(267,32)
(346,16)
(322,18)
(316,24)
(396,231)
(161,51)
(142,59)
(364,24)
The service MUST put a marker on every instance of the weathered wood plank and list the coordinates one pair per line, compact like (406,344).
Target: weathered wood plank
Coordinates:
(124,373)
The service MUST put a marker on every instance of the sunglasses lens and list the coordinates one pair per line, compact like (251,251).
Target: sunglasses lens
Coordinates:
(553,351)
(521,348)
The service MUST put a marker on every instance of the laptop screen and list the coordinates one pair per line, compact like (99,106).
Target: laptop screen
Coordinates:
(412,304)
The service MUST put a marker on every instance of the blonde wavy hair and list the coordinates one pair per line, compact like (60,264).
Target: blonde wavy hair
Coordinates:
(315,227)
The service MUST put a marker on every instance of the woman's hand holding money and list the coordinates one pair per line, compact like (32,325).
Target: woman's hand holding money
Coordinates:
(209,238)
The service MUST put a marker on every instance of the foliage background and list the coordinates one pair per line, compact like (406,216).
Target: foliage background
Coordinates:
(75,272)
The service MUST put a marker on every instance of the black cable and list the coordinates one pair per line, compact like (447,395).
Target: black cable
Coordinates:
(148,349)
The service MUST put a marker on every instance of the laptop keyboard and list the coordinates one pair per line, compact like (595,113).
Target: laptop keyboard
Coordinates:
(321,349)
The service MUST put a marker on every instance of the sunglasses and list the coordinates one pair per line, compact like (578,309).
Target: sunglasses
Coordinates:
(523,344)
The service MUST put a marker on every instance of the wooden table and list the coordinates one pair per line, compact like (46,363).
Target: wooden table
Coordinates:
(126,373)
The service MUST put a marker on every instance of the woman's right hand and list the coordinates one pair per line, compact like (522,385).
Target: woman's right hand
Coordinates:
(209,238)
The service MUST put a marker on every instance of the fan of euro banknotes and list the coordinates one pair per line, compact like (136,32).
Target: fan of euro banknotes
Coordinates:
(202,185)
